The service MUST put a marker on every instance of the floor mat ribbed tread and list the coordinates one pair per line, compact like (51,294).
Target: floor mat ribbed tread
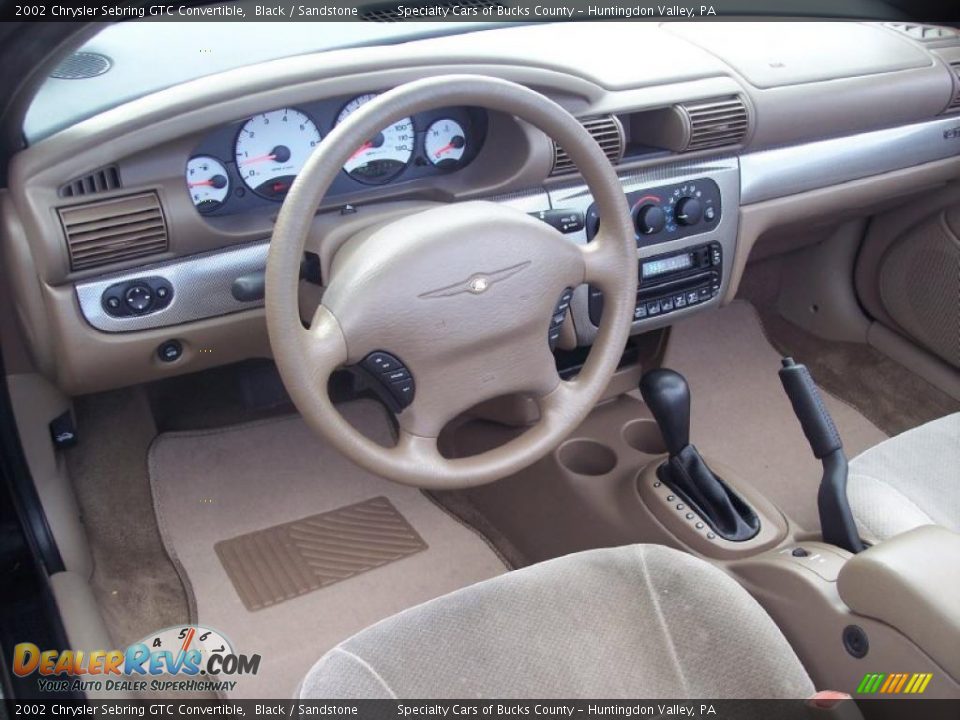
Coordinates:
(269,566)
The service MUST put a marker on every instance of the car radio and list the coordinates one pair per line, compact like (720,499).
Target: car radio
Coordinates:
(671,281)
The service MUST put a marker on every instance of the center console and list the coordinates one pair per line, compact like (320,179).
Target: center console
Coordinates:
(685,225)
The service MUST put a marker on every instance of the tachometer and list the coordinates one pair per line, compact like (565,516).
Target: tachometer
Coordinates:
(272,148)
(384,156)
(208,182)
(445,143)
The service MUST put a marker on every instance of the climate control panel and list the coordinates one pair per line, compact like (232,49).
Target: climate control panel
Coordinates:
(668,212)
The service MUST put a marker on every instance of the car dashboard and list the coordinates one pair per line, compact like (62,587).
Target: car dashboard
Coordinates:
(137,237)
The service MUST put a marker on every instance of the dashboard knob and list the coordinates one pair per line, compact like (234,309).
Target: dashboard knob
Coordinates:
(650,219)
(688,211)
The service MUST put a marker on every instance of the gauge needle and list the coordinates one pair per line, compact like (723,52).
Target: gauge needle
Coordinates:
(200,183)
(366,146)
(456,142)
(259,158)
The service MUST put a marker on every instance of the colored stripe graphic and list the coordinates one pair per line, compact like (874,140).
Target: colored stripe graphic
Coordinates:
(894,683)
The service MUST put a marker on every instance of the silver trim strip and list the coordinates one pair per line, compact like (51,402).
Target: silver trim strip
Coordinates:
(201,289)
(785,171)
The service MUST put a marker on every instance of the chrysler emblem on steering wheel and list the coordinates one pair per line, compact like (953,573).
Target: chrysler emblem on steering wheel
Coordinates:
(477,283)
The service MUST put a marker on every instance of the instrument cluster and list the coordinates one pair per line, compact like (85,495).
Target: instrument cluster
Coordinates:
(254,161)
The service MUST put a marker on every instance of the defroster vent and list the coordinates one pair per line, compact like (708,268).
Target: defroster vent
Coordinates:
(110,231)
(606,130)
(102,180)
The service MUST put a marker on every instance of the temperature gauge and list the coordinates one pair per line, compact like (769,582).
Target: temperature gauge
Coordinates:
(445,143)
(208,182)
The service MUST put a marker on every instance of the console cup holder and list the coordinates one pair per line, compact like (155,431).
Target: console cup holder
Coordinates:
(643,435)
(587,457)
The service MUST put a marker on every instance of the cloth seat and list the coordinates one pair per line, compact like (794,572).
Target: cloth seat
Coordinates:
(910,480)
(641,621)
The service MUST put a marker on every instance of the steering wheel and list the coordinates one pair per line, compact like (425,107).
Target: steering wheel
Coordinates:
(462,295)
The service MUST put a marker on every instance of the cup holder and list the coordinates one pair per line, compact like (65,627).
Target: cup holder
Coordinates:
(587,457)
(644,436)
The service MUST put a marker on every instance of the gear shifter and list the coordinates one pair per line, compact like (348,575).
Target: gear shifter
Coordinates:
(685,472)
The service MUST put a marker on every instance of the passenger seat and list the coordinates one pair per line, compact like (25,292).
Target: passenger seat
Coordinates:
(909,480)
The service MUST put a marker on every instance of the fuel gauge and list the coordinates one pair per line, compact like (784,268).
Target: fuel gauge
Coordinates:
(208,182)
(445,143)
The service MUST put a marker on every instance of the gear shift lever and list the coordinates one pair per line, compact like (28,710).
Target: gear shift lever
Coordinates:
(667,395)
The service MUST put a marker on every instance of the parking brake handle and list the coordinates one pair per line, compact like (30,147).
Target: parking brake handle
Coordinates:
(836,518)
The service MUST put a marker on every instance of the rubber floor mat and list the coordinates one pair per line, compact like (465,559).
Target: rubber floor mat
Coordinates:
(282,562)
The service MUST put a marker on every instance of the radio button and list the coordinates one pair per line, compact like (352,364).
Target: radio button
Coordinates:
(666,304)
(680,301)
(693,297)
(653,308)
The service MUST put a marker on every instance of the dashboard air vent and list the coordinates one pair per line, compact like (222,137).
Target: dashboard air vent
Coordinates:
(924,33)
(606,130)
(98,181)
(715,122)
(955,102)
(109,231)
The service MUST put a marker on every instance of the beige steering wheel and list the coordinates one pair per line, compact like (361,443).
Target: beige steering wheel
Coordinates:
(462,295)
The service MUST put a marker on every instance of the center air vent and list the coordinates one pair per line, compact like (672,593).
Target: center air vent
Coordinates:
(606,130)
(955,102)
(109,231)
(715,123)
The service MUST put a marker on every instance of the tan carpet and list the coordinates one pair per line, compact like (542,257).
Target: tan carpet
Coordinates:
(211,486)
(742,417)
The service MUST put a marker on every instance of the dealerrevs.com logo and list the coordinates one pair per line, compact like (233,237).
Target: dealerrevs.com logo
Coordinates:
(176,659)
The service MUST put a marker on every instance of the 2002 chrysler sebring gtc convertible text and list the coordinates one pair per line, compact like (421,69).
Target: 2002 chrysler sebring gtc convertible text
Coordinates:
(576,360)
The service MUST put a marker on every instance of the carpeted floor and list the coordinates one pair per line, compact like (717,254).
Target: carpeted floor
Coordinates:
(215,485)
(890,395)
(741,415)
(136,586)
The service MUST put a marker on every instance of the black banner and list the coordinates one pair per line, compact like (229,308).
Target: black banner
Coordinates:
(468,10)
(169,709)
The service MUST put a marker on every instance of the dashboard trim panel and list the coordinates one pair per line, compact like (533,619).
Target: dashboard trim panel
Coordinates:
(201,289)
(771,174)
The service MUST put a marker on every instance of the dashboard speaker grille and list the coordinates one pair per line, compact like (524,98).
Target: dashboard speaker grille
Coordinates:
(109,231)
(606,130)
(955,102)
(716,122)
(98,181)
(81,65)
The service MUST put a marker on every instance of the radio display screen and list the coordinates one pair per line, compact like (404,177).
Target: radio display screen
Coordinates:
(653,268)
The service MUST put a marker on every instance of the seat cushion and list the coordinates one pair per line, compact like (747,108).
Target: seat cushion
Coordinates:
(641,621)
(910,480)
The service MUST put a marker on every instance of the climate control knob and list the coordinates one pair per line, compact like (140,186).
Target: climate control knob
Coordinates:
(688,211)
(650,219)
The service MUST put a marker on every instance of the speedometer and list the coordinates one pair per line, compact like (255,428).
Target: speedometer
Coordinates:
(271,149)
(384,156)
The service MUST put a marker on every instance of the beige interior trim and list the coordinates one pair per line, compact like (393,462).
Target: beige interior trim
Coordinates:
(852,199)
(911,582)
(930,368)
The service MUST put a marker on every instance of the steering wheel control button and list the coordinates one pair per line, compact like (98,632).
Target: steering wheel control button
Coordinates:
(566,221)
(381,362)
(137,297)
(559,315)
(170,351)
(391,379)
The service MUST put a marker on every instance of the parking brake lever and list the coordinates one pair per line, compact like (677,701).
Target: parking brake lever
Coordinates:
(836,518)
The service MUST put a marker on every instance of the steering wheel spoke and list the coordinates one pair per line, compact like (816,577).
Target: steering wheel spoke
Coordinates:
(603,262)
